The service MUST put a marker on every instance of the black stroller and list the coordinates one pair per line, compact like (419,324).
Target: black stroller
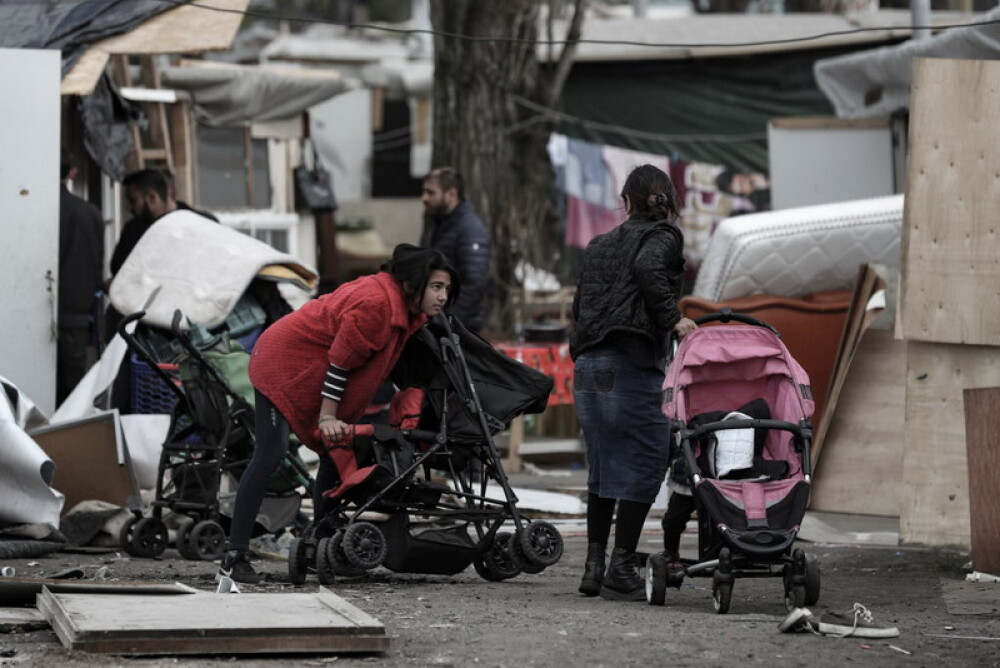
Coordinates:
(210,438)
(429,495)
(750,509)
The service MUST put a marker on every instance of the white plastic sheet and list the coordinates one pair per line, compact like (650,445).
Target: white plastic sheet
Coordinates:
(25,493)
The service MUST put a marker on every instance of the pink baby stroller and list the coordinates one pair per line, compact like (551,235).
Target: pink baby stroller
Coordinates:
(748,512)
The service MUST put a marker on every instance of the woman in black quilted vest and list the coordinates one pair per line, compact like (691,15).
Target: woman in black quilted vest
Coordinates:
(625,307)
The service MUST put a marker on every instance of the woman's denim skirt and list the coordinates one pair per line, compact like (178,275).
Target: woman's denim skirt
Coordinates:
(628,437)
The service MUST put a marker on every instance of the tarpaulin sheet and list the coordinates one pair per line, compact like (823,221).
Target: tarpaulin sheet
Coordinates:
(70,25)
(230,95)
(877,82)
(699,103)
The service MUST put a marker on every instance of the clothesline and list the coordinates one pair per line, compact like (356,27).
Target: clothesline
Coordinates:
(591,175)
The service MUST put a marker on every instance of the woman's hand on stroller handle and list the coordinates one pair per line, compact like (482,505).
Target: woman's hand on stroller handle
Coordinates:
(684,327)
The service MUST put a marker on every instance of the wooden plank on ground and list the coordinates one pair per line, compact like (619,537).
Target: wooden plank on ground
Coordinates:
(207,623)
(17,591)
(21,619)
(982,434)
(951,234)
(862,466)
(934,498)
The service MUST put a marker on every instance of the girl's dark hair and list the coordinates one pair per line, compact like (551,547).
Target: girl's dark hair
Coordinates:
(412,266)
(651,194)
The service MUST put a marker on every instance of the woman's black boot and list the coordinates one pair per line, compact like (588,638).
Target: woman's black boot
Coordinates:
(593,570)
(622,581)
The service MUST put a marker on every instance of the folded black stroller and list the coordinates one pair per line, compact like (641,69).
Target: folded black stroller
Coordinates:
(427,493)
(210,439)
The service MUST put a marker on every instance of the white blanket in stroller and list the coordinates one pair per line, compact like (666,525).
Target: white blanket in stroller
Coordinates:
(201,267)
(733,448)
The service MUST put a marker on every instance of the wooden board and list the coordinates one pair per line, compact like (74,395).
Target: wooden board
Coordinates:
(21,619)
(951,230)
(982,435)
(88,468)
(183,29)
(862,465)
(934,499)
(17,591)
(207,623)
(856,321)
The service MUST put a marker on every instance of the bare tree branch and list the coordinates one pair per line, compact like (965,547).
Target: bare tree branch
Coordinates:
(566,57)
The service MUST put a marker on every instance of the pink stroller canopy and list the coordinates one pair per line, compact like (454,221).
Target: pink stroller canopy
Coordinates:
(721,368)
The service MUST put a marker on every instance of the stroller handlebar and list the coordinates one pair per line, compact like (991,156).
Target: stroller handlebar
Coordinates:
(727,314)
(356,430)
(801,431)
(754,423)
(723,315)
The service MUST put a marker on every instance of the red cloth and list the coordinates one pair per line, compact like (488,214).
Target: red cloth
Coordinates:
(361,326)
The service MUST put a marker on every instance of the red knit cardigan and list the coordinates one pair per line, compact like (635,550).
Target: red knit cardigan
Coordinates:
(361,326)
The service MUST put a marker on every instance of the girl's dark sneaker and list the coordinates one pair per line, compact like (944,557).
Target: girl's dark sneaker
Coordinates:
(236,566)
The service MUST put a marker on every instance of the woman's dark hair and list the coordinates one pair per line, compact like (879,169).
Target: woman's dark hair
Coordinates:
(651,194)
(412,266)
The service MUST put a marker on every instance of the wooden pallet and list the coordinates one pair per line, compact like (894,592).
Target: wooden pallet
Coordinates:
(207,623)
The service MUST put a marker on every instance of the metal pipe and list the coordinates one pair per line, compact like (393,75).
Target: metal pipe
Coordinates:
(920,17)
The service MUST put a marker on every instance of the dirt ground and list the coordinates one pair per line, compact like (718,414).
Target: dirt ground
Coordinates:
(540,620)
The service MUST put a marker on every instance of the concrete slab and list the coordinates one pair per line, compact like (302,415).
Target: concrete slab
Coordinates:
(855,529)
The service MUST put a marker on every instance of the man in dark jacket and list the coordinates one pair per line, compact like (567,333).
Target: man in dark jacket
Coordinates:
(81,264)
(454,229)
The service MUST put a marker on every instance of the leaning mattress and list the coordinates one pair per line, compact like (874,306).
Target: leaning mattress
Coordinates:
(794,252)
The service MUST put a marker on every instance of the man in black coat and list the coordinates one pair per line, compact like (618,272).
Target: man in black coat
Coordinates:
(81,265)
(454,229)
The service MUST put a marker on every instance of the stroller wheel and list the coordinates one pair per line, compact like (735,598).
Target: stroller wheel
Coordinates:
(341,565)
(541,543)
(125,535)
(364,545)
(182,540)
(298,561)
(207,540)
(722,595)
(812,580)
(656,579)
(796,581)
(325,568)
(496,563)
(520,559)
(149,537)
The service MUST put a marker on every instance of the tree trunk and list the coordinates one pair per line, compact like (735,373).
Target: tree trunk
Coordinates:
(497,144)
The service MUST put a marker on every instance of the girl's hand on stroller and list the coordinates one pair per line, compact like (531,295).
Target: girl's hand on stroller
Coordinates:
(334,430)
(684,327)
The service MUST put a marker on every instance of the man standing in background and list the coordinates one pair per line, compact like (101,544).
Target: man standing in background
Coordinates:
(81,265)
(454,229)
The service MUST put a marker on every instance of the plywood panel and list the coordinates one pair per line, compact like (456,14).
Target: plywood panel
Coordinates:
(934,499)
(862,466)
(212,623)
(85,453)
(982,440)
(194,28)
(951,237)
(857,320)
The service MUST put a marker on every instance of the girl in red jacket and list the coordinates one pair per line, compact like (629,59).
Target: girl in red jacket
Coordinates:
(320,367)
